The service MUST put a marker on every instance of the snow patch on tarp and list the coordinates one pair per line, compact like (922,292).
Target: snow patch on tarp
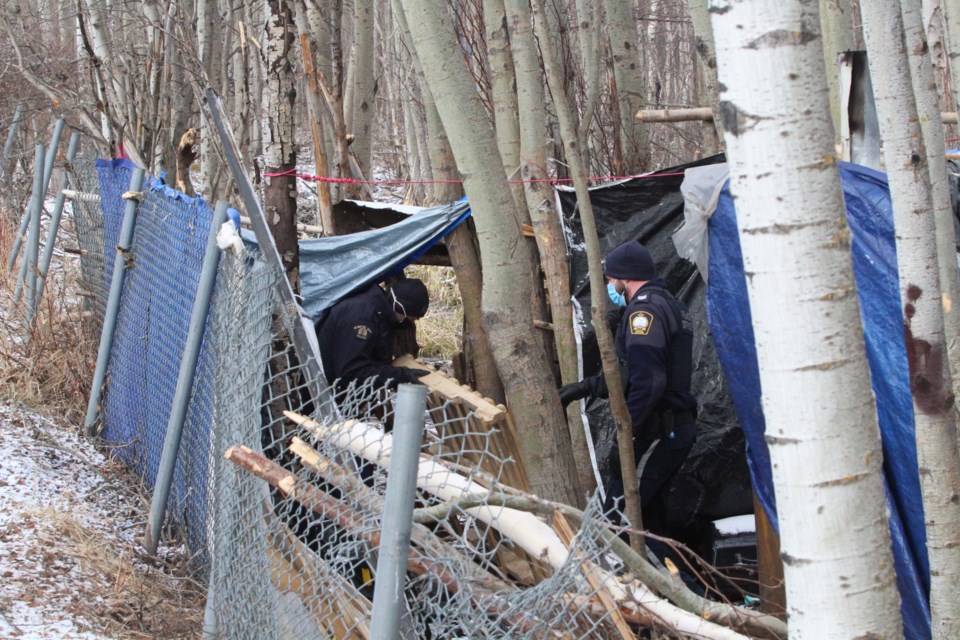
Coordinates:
(870,219)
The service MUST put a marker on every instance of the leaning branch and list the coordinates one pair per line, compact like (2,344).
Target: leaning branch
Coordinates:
(705,114)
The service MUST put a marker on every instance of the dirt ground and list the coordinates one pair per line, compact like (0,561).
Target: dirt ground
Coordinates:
(70,563)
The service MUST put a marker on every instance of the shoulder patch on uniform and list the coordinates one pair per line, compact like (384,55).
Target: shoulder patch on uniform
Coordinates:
(643,297)
(640,323)
(362,331)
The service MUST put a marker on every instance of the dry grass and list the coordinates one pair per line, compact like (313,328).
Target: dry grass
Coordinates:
(138,599)
(49,366)
(440,331)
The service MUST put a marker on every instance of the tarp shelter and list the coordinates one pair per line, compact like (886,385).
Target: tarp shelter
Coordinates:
(714,481)
(333,268)
(711,239)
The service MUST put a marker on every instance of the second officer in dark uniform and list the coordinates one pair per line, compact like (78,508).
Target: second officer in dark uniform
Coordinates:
(654,341)
(356,337)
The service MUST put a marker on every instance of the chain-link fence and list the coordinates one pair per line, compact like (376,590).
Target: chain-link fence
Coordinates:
(280,493)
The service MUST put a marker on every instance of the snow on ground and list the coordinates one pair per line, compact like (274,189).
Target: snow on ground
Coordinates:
(70,566)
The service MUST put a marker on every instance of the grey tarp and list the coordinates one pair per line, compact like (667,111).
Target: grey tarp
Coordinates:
(333,268)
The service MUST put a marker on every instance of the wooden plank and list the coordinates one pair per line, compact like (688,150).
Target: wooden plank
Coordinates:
(773,594)
(566,534)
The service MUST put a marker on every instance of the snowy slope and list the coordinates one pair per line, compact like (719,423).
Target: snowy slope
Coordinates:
(70,566)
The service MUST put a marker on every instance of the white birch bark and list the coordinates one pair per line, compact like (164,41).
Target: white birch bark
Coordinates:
(209,43)
(923,80)
(932,21)
(707,53)
(821,425)
(503,84)
(951,18)
(629,73)
(836,23)
(547,230)
(933,404)
(363,95)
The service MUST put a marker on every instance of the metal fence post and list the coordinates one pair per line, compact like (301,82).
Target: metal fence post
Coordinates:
(29,215)
(113,302)
(388,601)
(188,369)
(46,164)
(54,227)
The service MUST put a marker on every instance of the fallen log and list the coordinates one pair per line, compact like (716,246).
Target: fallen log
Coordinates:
(322,504)
(523,529)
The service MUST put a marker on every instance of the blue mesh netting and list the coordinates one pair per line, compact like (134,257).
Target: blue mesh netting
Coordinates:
(159,289)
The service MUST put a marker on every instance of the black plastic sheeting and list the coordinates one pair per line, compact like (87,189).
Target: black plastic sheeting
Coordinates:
(714,482)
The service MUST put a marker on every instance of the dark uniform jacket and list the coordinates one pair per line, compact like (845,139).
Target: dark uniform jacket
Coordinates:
(356,340)
(654,341)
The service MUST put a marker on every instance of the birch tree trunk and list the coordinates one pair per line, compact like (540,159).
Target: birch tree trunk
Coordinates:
(932,22)
(572,140)
(707,52)
(279,143)
(933,402)
(503,84)
(923,80)
(364,87)
(543,216)
(821,425)
(951,17)
(507,283)
(836,22)
(209,42)
(629,72)
(464,255)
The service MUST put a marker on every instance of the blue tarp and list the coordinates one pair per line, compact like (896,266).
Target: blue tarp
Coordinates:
(333,268)
(870,218)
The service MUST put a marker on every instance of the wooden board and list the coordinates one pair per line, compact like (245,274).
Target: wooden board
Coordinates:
(481,425)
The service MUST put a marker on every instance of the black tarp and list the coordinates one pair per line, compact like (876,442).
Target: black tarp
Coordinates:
(714,481)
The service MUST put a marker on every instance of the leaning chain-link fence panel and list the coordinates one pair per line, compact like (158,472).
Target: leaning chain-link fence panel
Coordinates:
(159,289)
(88,225)
(309,495)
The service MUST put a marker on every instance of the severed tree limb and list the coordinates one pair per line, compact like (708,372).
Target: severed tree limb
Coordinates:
(344,516)
(567,534)
(525,530)
(689,114)
(750,621)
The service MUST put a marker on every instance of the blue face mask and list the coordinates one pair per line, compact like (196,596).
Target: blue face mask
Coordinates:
(615,297)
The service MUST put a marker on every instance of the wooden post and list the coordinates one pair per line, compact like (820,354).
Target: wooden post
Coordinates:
(773,595)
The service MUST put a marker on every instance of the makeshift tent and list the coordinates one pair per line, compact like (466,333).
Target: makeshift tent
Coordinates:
(714,481)
(870,218)
(333,268)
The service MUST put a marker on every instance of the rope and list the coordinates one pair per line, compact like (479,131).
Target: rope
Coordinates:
(329,179)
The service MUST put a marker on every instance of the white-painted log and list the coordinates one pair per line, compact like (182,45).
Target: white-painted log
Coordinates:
(524,529)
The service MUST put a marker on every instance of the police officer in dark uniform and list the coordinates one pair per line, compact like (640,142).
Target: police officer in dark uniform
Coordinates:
(356,336)
(654,341)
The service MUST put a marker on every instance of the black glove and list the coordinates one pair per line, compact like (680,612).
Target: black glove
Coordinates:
(412,376)
(573,391)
